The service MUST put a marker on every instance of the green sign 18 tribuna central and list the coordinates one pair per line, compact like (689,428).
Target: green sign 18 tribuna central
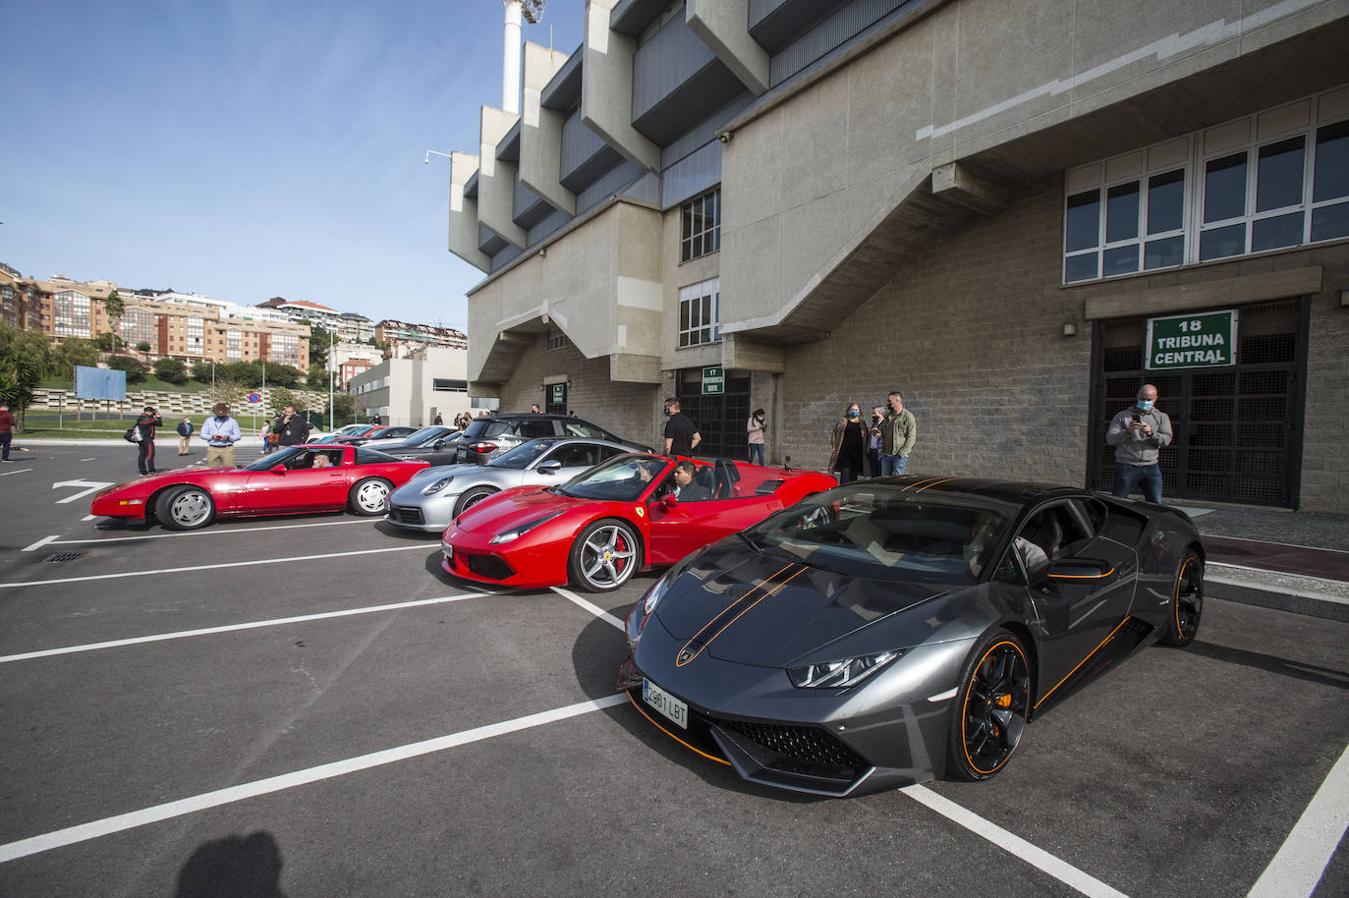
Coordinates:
(1206,340)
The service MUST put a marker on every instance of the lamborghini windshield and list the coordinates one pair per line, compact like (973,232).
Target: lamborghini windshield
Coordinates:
(881,531)
(623,479)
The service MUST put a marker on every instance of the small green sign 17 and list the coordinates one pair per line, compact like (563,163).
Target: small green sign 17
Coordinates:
(714,381)
(1206,340)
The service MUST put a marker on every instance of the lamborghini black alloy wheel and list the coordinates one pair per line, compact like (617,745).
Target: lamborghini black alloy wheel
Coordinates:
(994,706)
(1187,605)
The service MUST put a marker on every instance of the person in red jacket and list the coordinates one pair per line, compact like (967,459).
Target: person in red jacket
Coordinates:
(6,433)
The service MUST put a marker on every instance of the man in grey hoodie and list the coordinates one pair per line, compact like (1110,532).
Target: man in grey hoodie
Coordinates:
(1138,434)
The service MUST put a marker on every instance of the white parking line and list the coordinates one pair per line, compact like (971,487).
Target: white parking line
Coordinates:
(231,628)
(213,532)
(1013,844)
(210,567)
(1301,861)
(85,831)
(589,606)
(88,517)
(1061,870)
(86,459)
(33,547)
(19,471)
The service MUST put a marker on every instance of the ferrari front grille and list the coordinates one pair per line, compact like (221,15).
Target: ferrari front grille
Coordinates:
(488,566)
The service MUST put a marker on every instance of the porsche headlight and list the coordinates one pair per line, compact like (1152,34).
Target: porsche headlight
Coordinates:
(840,674)
(517,532)
(436,485)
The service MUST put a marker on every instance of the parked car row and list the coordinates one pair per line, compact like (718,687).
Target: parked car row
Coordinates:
(824,639)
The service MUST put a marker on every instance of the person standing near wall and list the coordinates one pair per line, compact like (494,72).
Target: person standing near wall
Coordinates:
(874,440)
(755,429)
(145,449)
(6,433)
(899,431)
(849,445)
(1138,435)
(184,435)
(220,433)
(681,434)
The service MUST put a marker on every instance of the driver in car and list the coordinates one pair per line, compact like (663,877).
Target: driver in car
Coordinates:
(685,487)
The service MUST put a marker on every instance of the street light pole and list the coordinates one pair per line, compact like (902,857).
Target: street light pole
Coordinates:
(332,424)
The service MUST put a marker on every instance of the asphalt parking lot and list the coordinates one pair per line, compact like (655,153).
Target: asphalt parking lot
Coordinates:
(308,706)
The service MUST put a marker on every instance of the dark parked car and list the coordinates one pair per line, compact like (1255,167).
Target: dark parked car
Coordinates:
(486,438)
(433,444)
(382,433)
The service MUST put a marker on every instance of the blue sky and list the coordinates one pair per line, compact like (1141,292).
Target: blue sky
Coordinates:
(249,149)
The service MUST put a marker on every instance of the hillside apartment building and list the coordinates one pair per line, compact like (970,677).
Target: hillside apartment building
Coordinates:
(996,206)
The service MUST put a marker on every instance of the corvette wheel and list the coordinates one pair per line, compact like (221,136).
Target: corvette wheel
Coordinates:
(185,508)
(370,497)
(471,498)
(604,556)
(1187,602)
(989,712)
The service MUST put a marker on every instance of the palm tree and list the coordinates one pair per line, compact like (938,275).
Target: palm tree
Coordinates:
(532,10)
(116,308)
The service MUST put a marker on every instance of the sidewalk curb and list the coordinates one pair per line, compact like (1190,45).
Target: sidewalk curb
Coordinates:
(1309,602)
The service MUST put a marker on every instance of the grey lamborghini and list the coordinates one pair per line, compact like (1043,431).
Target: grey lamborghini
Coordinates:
(891,631)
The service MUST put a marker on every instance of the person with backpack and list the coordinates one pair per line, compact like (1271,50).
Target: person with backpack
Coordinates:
(142,433)
(184,435)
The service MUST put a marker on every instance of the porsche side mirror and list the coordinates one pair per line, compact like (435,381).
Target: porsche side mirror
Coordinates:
(1080,571)
(552,466)
(438,444)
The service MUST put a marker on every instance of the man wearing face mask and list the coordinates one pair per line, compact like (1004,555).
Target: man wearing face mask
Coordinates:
(1138,434)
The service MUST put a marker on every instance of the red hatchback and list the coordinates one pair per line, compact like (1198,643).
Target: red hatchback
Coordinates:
(628,514)
(318,477)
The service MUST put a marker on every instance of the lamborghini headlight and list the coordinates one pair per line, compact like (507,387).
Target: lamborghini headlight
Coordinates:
(840,674)
(517,532)
(436,485)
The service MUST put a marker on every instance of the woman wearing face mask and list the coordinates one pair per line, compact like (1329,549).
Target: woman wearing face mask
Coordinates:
(850,440)
(755,429)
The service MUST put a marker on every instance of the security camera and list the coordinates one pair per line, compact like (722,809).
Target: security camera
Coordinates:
(724,137)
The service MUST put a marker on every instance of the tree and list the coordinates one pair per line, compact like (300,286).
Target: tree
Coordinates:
(135,371)
(25,358)
(106,342)
(532,10)
(283,375)
(247,372)
(280,397)
(318,345)
(318,377)
(143,346)
(115,308)
(171,371)
(73,351)
(344,410)
(202,371)
(228,391)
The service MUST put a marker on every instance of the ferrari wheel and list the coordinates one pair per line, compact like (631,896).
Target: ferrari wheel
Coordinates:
(604,556)
(185,508)
(1187,602)
(471,498)
(370,496)
(990,709)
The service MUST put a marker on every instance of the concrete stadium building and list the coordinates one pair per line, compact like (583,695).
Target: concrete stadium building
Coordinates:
(1004,208)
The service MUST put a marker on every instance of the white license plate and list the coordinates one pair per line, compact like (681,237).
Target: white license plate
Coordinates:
(665,703)
(448,551)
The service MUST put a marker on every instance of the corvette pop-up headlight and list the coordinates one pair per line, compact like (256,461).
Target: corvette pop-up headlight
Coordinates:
(840,674)
(437,485)
(520,531)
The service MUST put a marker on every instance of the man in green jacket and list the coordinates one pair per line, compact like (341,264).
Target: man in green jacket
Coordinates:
(898,432)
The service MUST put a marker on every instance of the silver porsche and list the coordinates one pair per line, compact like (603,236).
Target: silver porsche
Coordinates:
(436,496)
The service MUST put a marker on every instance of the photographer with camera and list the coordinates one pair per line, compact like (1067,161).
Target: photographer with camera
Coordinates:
(291,429)
(1138,434)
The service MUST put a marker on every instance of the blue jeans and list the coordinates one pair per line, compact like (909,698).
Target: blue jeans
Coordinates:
(5,439)
(893,465)
(756,451)
(1147,477)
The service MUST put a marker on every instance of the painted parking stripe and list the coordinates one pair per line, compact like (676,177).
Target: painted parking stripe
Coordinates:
(85,831)
(211,567)
(232,628)
(1013,844)
(86,459)
(1036,857)
(212,532)
(19,471)
(1301,861)
(589,606)
(33,547)
(88,517)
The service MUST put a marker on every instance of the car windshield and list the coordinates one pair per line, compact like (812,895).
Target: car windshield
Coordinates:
(521,456)
(623,479)
(425,435)
(582,429)
(880,531)
(272,459)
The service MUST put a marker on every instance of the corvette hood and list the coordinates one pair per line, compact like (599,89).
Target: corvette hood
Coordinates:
(514,507)
(753,608)
(152,482)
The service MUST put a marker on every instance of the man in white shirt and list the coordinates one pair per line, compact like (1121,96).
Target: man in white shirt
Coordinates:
(220,434)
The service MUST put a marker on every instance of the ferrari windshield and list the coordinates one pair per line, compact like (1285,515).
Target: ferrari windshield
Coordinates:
(623,479)
(521,456)
(881,531)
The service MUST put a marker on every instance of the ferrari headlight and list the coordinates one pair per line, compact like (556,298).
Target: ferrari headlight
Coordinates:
(436,485)
(516,533)
(840,674)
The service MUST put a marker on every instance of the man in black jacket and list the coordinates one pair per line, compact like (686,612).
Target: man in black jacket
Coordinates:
(145,449)
(291,429)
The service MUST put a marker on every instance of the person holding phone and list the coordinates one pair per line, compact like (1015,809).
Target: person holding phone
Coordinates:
(755,429)
(1138,435)
(291,429)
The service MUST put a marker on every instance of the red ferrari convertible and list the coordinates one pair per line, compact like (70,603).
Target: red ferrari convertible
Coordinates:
(313,478)
(633,512)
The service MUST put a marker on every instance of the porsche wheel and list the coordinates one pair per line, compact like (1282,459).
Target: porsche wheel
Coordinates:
(370,496)
(604,556)
(471,498)
(1187,602)
(185,508)
(989,712)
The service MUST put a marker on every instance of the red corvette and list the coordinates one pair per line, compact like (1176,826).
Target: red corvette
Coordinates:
(633,512)
(314,478)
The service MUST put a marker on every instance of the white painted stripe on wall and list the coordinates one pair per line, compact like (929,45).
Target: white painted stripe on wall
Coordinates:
(1302,859)
(72,835)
